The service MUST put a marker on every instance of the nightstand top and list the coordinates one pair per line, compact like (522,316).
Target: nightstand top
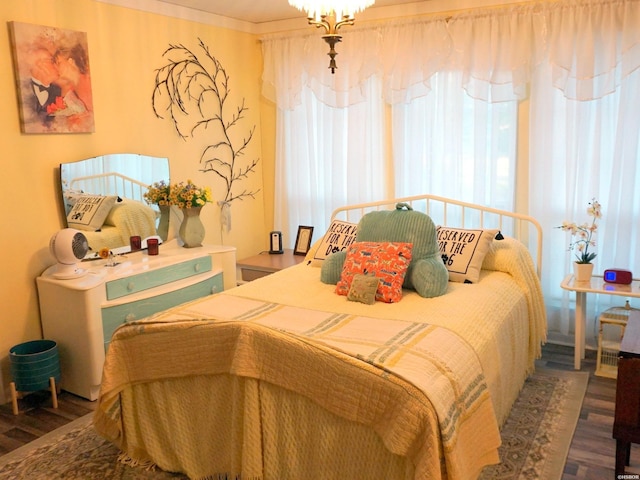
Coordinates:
(598,285)
(271,262)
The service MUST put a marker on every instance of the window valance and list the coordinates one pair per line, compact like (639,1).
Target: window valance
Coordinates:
(591,46)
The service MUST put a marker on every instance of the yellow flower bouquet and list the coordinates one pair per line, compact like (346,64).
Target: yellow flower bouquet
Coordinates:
(158,193)
(185,195)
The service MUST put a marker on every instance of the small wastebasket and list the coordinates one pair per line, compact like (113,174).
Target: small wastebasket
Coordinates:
(35,366)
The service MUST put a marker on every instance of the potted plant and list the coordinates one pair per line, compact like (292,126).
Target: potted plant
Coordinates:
(158,194)
(581,239)
(190,199)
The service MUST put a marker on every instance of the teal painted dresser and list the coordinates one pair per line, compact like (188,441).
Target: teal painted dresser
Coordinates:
(81,314)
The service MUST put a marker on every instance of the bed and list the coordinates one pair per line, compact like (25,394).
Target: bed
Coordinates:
(283,378)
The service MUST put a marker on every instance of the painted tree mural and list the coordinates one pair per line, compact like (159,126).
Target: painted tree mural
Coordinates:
(192,90)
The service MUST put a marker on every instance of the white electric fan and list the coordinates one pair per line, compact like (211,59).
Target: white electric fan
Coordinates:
(68,246)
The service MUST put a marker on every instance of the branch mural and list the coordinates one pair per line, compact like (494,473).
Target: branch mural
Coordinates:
(192,90)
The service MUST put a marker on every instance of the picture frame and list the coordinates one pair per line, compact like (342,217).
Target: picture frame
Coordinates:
(303,240)
(53,79)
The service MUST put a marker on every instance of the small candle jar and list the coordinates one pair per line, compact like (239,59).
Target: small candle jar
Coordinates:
(152,246)
(135,242)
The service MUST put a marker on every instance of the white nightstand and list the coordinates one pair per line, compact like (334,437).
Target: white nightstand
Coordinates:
(595,285)
(81,314)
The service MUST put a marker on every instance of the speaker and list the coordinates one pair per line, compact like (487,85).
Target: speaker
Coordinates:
(617,275)
(275,242)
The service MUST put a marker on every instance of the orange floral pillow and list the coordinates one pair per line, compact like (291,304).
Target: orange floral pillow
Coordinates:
(388,261)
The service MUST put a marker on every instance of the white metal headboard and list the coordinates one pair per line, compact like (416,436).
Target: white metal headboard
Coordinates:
(454,213)
(110,183)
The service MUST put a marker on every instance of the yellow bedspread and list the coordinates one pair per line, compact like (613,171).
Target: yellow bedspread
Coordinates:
(251,339)
(432,377)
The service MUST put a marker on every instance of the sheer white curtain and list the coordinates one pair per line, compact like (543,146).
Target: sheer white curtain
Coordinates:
(450,144)
(328,157)
(584,149)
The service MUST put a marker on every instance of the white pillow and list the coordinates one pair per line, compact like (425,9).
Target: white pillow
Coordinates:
(90,211)
(337,238)
(463,251)
(70,199)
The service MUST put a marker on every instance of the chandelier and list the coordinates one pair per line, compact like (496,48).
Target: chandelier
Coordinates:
(331,15)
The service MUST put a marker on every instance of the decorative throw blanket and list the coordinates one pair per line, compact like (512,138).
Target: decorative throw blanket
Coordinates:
(419,386)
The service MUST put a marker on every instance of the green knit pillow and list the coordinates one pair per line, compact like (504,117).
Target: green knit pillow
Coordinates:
(427,274)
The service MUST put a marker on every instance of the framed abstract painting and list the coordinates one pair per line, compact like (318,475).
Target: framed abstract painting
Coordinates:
(53,79)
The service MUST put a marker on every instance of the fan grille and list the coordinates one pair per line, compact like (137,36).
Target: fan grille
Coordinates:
(79,245)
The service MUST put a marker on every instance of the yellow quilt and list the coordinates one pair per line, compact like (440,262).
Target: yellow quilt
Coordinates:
(392,371)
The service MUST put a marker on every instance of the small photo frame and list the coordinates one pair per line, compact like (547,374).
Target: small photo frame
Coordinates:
(303,240)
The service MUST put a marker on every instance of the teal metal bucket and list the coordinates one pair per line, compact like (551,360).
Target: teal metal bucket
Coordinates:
(33,363)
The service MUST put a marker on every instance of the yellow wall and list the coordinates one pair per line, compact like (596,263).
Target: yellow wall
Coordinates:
(125,49)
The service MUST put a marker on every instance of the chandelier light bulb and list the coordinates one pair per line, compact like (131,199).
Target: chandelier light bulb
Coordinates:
(317,9)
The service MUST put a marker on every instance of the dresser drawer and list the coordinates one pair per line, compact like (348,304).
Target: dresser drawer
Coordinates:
(154,278)
(114,316)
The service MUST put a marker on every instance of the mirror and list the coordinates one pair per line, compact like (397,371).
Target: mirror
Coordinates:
(122,175)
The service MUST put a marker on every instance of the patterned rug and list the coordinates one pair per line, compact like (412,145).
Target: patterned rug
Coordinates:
(536,439)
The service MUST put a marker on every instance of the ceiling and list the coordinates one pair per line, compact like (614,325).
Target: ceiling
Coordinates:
(260,11)
(270,16)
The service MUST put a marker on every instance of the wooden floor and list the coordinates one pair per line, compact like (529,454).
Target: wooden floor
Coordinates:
(37,417)
(591,455)
(592,452)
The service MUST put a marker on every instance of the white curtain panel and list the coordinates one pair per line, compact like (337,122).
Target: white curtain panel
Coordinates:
(328,157)
(449,144)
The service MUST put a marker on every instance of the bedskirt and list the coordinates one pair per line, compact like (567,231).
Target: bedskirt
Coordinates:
(244,426)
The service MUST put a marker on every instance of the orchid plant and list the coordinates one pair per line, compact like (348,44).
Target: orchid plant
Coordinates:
(582,235)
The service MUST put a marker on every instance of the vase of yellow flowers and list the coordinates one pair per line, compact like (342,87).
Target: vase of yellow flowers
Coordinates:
(582,237)
(158,194)
(190,199)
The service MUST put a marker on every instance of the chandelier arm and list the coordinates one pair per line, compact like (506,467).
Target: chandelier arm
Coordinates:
(321,24)
(346,20)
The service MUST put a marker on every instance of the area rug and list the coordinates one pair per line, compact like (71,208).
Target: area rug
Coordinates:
(537,435)
(536,439)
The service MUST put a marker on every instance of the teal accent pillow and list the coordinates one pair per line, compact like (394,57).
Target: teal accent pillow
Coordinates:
(426,274)
(331,267)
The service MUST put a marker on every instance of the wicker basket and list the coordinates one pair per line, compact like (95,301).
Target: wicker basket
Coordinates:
(612,324)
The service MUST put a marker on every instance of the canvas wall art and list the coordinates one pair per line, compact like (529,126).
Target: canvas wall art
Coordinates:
(53,79)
